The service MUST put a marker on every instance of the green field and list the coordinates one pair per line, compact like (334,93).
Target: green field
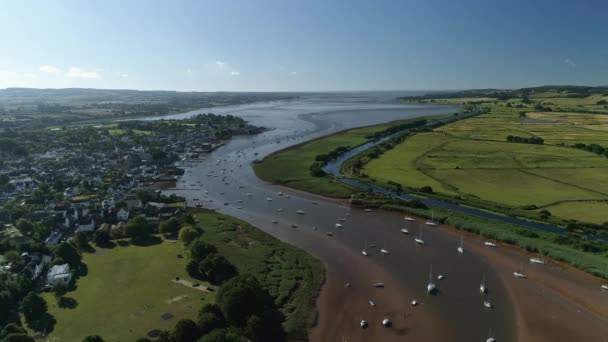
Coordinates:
(291,167)
(471,160)
(124,294)
(127,289)
(501,172)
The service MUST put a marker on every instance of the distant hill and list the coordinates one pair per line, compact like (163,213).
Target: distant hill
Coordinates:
(27,107)
(568,90)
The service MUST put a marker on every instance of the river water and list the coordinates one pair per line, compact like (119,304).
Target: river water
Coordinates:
(224,178)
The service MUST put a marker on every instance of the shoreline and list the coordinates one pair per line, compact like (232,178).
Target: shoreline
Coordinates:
(339,311)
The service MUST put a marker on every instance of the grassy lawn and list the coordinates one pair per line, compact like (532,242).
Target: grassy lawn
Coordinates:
(127,289)
(291,167)
(124,294)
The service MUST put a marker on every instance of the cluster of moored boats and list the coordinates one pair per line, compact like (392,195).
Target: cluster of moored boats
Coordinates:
(431,286)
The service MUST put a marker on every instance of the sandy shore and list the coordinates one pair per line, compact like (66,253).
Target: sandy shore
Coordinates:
(556,302)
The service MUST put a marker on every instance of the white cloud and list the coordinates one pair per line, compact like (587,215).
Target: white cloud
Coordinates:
(50,69)
(235,73)
(189,72)
(220,64)
(124,75)
(30,75)
(570,63)
(74,72)
(293,73)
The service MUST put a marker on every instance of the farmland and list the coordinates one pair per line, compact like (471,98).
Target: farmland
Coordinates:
(471,159)
(292,167)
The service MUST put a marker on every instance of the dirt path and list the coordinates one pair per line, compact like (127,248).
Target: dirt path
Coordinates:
(188,283)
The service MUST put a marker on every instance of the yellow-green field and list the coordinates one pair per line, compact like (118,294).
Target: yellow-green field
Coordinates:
(125,292)
(471,158)
(594,212)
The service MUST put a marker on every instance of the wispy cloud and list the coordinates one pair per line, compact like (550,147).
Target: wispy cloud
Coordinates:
(30,75)
(235,73)
(293,73)
(189,72)
(74,72)
(220,64)
(50,69)
(124,75)
(570,63)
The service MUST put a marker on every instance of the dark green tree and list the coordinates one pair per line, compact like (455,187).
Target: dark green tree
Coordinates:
(80,240)
(137,228)
(101,237)
(25,226)
(187,234)
(185,331)
(33,307)
(200,249)
(216,269)
(93,338)
(210,317)
(18,338)
(170,226)
(68,253)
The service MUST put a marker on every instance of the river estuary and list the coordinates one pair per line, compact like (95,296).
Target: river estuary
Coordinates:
(538,308)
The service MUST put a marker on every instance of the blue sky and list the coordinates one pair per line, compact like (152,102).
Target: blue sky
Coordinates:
(289,45)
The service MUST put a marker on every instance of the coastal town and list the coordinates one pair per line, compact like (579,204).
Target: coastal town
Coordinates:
(88,184)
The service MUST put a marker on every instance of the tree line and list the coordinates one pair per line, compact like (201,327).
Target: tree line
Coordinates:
(525,140)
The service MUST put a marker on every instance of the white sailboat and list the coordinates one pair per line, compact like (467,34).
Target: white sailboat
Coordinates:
(386,322)
(431,286)
(482,286)
(490,337)
(385,249)
(540,261)
(460,248)
(431,222)
(520,274)
(605,287)
(364,250)
(404,230)
(408,217)
(489,244)
(419,240)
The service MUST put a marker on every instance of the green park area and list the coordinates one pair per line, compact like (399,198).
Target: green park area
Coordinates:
(128,291)
(292,167)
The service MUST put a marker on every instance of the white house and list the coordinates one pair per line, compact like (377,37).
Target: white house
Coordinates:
(59,273)
(122,215)
(45,260)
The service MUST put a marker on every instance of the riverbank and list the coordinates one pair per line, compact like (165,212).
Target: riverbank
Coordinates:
(455,313)
(292,166)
